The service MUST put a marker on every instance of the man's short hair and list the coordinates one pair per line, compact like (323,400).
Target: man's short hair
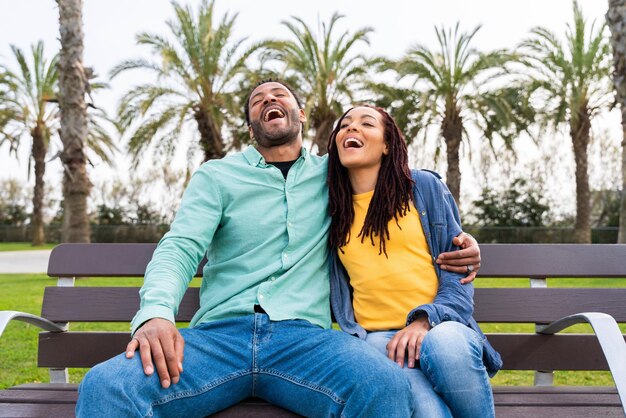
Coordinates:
(246,106)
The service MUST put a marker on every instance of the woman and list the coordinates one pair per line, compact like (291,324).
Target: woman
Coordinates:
(388,224)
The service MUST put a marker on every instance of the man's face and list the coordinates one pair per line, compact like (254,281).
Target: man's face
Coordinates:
(275,118)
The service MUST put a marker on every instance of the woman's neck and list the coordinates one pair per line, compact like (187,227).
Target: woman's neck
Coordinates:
(363,180)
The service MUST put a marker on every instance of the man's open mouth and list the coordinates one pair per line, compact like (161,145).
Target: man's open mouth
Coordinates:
(352,143)
(273,114)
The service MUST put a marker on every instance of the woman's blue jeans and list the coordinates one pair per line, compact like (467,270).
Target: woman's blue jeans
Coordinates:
(293,364)
(451,380)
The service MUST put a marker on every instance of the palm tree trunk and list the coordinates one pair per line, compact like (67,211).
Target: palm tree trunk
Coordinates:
(580,127)
(210,136)
(72,84)
(322,133)
(616,19)
(452,131)
(39,150)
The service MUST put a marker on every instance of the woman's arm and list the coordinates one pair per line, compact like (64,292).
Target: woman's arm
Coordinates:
(454,300)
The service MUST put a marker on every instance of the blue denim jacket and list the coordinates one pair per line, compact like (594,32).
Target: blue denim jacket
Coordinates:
(454,301)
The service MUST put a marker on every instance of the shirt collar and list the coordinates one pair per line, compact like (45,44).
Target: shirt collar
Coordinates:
(254,157)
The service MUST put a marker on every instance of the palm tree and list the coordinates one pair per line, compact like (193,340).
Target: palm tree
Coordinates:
(26,110)
(450,87)
(325,69)
(6,112)
(571,82)
(616,19)
(195,75)
(28,107)
(73,83)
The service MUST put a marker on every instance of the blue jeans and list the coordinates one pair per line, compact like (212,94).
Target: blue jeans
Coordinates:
(451,380)
(293,364)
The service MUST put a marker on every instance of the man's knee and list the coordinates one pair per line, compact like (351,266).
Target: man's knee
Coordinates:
(106,377)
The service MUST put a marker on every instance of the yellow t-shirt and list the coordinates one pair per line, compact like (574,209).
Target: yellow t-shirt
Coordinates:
(387,289)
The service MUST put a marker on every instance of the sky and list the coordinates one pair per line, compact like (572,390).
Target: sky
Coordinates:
(110,28)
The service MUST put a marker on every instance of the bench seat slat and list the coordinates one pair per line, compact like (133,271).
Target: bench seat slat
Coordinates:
(555,389)
(548,399)
(519,411)
(119,304)
(14,410)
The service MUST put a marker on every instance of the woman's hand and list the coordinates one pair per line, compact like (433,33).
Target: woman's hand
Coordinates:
(460,261)
(408,341)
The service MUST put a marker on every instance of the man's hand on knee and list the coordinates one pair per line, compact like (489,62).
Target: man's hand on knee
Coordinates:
(465,260)
(160,341)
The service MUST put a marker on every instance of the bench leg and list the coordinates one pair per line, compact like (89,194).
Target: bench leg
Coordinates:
(59,376)
(544,378)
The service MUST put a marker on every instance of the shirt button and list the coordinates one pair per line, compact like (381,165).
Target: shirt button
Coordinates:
(285,256)
(290,224)
(260,296)
(424,213)
(272,278)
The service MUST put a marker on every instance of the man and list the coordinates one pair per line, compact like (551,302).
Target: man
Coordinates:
(263,327)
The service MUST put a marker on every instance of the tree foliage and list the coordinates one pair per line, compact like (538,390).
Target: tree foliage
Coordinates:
(195,79)
(518,205)
(569,85)
(325,67)
(454,87)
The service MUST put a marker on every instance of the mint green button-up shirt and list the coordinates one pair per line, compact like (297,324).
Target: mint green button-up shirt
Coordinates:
(265,239)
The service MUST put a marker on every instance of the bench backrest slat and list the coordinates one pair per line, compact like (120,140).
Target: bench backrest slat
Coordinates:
(119,304)
(519,351)
(553,260)
(104,304)
(530,260)
(102,260)
(544,305)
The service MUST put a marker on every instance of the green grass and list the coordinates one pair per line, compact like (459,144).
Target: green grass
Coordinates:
(24,292)
(24,246)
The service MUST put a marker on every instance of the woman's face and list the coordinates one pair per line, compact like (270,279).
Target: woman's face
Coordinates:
(361,139)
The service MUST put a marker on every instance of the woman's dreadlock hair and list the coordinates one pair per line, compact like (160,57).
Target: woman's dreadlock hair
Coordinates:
(392,194)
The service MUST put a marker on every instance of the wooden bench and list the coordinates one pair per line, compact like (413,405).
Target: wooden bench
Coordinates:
(60,348)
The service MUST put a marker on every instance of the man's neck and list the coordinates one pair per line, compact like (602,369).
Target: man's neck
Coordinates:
(363,180)
(286,152)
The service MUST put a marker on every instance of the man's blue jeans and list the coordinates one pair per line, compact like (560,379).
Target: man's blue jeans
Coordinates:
(451,380)
(293,364)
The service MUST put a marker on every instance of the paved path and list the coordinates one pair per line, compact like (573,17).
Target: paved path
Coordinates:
(24,261)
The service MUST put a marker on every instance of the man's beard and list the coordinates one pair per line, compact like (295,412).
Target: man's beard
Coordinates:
(278,136)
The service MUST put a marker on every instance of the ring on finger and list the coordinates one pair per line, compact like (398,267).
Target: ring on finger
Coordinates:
(470,268)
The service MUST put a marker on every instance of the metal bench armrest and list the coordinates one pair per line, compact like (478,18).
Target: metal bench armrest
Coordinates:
(611,341)
(43,323)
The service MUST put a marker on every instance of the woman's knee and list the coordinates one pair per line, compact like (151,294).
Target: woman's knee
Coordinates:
(452,339)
